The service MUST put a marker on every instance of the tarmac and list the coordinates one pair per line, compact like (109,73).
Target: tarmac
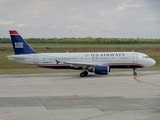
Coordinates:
(66,96)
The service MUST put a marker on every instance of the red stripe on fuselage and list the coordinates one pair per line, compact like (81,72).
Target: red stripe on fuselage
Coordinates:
(13,32)
(115,64)
(110,64)
(48,64)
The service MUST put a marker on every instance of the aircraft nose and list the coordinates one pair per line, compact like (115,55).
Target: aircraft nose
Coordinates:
(153,62)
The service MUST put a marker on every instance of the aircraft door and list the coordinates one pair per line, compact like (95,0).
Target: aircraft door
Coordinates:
(134,57)
(36,61)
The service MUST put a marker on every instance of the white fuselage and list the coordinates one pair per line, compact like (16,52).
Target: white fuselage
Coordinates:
(111,59)
(98,62)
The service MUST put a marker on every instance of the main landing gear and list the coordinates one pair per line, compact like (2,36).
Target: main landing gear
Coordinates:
(83,74)
(134,72)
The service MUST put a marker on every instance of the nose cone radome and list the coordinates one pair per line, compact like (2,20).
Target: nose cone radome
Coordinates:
(153,62)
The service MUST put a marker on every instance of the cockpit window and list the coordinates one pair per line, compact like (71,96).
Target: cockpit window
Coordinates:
(145,57)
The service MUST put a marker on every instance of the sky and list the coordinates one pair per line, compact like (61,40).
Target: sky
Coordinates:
(81,18)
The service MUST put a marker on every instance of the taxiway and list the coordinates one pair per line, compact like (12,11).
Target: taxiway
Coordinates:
(66,96)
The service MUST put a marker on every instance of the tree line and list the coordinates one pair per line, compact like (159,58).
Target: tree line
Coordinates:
(88,40)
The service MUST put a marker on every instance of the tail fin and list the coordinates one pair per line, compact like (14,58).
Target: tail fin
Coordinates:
(20,46)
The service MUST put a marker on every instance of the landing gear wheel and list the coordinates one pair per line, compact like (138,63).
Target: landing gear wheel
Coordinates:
(86,73)
(83,74)
(135,74)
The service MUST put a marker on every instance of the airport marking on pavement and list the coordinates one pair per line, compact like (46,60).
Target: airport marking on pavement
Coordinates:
(136,79)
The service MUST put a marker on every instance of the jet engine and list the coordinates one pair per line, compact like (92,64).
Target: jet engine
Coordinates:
(100,70)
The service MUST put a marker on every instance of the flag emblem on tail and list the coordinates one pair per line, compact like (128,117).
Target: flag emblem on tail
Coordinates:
(18,44)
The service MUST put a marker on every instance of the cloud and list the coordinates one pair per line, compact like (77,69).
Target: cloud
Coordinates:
(42,7)
(129,5)
(77,27)
(24,25)
(73,27)
(113,28)
(83,28)
(154,17)
(3,22)
(81,18)
(53,27)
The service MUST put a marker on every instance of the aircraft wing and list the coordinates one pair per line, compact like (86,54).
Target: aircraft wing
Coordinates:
(82,64)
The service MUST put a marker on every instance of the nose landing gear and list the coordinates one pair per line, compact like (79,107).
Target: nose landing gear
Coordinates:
(134,72)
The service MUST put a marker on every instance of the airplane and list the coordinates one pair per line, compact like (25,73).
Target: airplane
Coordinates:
(99,63)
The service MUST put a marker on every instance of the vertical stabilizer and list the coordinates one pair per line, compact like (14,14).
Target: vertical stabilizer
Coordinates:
(20,46)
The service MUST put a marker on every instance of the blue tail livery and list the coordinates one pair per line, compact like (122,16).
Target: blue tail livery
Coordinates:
(20,46)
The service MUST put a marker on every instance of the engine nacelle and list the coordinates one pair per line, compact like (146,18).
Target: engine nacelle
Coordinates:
(101,70)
